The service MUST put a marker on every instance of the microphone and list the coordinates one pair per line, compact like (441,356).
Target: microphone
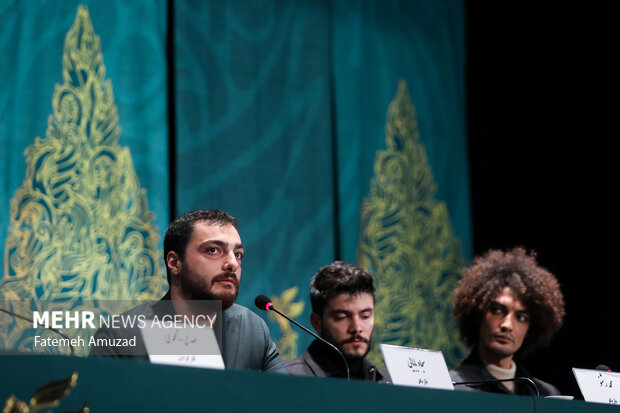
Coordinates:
(483,382)
(264,303)
(55,330)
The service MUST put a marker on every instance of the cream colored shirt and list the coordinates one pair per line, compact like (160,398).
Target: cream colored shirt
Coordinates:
(503,374)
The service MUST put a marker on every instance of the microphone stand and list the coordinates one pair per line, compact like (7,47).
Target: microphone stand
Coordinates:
(482,382)
(272,308)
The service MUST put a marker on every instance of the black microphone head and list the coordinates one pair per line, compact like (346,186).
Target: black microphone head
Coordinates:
(263,302)
(603,367)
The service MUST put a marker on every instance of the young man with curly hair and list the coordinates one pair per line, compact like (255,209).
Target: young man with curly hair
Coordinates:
(506,307)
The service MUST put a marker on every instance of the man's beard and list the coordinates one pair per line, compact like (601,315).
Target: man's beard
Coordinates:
(327,336)
(199,288)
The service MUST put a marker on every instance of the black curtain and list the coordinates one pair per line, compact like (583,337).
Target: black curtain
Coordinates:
(542,159)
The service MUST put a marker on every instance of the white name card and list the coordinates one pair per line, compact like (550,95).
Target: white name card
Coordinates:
(196,360)
(185,346)
(417,367)
(598,386)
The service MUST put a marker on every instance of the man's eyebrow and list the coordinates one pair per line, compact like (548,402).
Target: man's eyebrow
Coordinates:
(220,243)
(504,307)
(339,310)
(214,241)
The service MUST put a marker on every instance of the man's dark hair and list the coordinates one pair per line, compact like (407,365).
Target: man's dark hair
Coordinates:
(534,286)
(337,278)
(180,230)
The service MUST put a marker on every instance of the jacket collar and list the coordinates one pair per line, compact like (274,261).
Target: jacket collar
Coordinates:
(325,362)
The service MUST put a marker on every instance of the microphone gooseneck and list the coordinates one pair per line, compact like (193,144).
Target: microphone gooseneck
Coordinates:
(264,303)
(483,382)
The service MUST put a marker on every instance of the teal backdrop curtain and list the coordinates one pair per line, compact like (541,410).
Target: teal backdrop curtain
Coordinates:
(83,127)
(280,113)
(254,132)
(281,109)
(133,40)
(403,192)
(375,44)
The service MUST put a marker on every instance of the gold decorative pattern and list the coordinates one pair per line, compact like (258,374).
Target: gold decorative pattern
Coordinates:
(45,398)
(287,345)
(407,243)
(80,223)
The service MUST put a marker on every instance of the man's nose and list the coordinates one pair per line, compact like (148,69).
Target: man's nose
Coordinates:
(356,325)
(507,323)
(230,262)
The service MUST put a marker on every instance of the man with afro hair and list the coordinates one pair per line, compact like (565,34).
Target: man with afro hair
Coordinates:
(506,307)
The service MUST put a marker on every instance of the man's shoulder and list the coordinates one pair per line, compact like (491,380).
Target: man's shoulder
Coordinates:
(384,374)
(380,375)
(295,361)
(307,365)
(544,388)
(146,309)
(300,366)
(237,310)
(129,329)
(465,373)
(249,334)
(473,369)
(249,324)
(470,369)
(471,364)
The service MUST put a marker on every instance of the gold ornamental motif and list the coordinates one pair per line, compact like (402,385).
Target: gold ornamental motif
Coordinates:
(45,397)
(287,345)
(408,244)
(80,225)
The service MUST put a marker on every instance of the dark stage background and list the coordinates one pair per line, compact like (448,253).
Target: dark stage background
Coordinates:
(542,167)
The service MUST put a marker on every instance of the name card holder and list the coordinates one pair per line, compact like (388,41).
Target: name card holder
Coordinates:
(183,346)
(598,386)
(417,367)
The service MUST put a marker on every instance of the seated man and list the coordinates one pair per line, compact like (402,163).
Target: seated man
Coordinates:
(343,302)
(203,253)
(505,306)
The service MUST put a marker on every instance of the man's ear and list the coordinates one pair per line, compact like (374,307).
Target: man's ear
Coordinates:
(315,320)
(174,263)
